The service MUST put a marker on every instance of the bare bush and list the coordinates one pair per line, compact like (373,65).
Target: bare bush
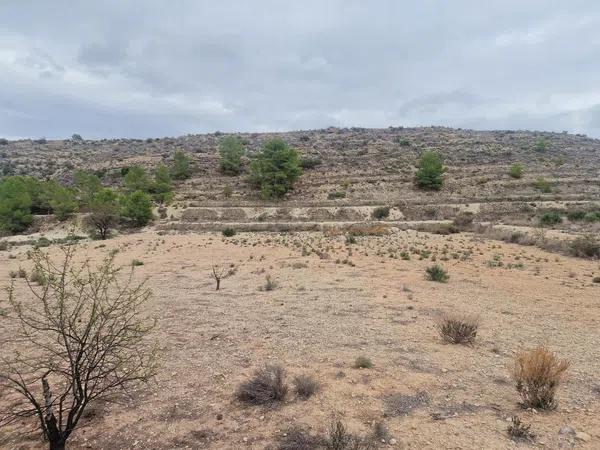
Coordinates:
(457,328)
(77,339)
(537,374)
(339,438)
(519,431)
(297,438)
(266,386)
(305,386)
(220,273)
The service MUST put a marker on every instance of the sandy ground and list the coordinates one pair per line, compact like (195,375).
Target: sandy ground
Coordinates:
(333,303)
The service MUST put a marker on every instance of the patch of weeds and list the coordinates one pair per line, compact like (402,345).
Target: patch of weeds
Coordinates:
(458,329)
(305,386)
(362,362)
(436,273)
(266,386)
(403,404)
(519,431)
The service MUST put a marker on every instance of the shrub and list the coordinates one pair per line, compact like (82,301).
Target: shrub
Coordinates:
(463,220)
(305,386)
(381,212)
(269,285)
(516,170)
(458,329)
(62,201)
(180,170)
(161,188)
(430,172)
(350,239)
(362,362)
(336,194)
(15,205)
(596,280)
(3,246)
(310,162)
(586,246)
(541,145)
(137,179)
(87,185)
(551,218)
(228,232)
(436,273)
(266,386)
(137,207)
(105,212)
(339,438)
(297,438)
(592,216)
(542,185)
(518,431)
(231,151)
(275,169)
(575,216)
(76,137)
(537,374)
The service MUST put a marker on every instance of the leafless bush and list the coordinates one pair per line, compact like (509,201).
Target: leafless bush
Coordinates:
(305,386)
(457,328)
(78,338)
(266,386)
(339,438)
(537,374)
(297,438)
(220,273)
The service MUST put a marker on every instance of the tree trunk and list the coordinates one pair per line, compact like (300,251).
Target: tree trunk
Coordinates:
(57,444)
(218,283)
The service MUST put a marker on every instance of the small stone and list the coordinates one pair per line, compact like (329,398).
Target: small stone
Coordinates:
(219,416)
(393,441)
(581,436)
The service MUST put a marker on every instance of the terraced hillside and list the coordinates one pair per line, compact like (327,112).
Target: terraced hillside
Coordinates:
(350,172)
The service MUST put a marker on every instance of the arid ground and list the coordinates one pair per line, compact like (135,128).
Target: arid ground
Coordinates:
(333,302)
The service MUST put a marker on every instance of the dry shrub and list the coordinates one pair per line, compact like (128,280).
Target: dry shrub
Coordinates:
(297,438)
(266,386)
(305,386)
(339,438)
(458,328)
(538,373)
(519,431)
(362,362)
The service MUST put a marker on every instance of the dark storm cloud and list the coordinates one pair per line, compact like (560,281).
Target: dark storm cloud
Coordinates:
(154,68)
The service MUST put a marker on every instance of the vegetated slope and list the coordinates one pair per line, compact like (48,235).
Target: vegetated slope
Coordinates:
(363,166)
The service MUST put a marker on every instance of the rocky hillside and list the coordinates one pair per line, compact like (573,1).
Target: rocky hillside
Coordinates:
(347,170)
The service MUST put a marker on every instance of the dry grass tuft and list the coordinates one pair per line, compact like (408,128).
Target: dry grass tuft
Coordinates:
(458,328)
(519,431)
(538,373)
(267,386)
(305,386)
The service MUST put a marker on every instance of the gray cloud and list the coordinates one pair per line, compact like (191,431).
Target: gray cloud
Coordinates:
(155,68)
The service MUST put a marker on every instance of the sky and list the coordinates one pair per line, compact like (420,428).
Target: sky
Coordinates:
(145,68)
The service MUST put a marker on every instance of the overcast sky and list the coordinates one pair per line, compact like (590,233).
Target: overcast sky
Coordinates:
(143,68)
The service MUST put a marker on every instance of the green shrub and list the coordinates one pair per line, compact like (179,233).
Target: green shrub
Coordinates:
(381,212)
(180,170)
(231,151)
(137,207)
(362,362)
(551,218)
(228,232)
(592,216)
(430,172)
(336,194)
(275,169)
(542,185)
(161,189)
(86,185)
(105,212)
(62,201)
(516,170)
(541,145)
(575,216)
(137,179)
(436,273)
(15,205)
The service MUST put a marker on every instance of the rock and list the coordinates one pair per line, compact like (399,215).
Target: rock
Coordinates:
(567,430)
(581,436)
(393,441)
